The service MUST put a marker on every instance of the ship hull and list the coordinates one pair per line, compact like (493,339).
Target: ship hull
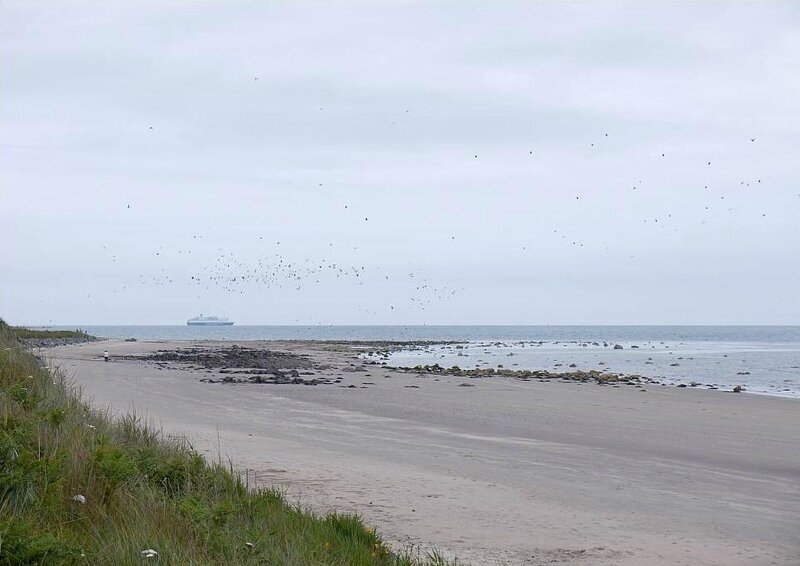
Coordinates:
(214,323)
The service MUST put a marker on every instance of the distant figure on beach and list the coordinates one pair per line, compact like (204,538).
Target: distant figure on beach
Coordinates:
(105,355)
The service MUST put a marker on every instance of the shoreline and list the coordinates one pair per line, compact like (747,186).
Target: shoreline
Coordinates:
(507,470)
(366,349)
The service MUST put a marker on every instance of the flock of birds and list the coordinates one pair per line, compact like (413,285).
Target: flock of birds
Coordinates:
(232,274)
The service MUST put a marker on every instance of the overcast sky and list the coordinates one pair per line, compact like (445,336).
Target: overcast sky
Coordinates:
(410,163)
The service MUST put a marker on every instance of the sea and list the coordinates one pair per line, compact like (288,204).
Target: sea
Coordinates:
(762,359)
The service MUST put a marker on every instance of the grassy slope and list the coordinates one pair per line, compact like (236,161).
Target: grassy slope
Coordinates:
(142,491)
(28,333)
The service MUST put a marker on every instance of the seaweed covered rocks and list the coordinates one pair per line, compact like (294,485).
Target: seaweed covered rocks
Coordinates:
(239,364)
(597,376)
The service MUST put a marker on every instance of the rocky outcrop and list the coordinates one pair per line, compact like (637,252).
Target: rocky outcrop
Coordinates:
(53,342)
(597,376)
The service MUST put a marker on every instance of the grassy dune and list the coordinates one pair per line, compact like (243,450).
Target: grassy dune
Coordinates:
(31,334)
(79,488)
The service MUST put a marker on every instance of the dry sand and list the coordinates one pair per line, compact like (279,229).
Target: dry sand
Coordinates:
(503,472)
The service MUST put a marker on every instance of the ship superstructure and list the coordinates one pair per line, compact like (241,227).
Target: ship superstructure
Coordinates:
(209,321)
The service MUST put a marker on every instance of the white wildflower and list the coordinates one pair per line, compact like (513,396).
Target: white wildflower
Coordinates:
(250,544)
(79,498)
(30,377)
(149,553)
(91,426)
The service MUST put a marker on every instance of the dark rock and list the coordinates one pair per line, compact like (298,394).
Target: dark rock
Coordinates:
(234,357)
(52,342)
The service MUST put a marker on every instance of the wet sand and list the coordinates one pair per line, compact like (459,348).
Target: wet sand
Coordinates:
(505,471)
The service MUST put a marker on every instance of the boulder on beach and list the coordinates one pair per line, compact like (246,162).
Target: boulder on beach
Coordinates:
(617,346)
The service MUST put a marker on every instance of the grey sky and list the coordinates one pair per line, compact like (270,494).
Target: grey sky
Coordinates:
(140,142)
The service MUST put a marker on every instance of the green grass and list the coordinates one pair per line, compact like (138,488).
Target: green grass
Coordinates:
(29,333)
(142,491)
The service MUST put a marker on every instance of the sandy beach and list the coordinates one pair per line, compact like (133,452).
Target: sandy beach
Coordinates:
(500,471)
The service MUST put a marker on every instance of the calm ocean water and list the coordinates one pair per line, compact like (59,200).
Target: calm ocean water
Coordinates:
(764,359)
(766,334)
